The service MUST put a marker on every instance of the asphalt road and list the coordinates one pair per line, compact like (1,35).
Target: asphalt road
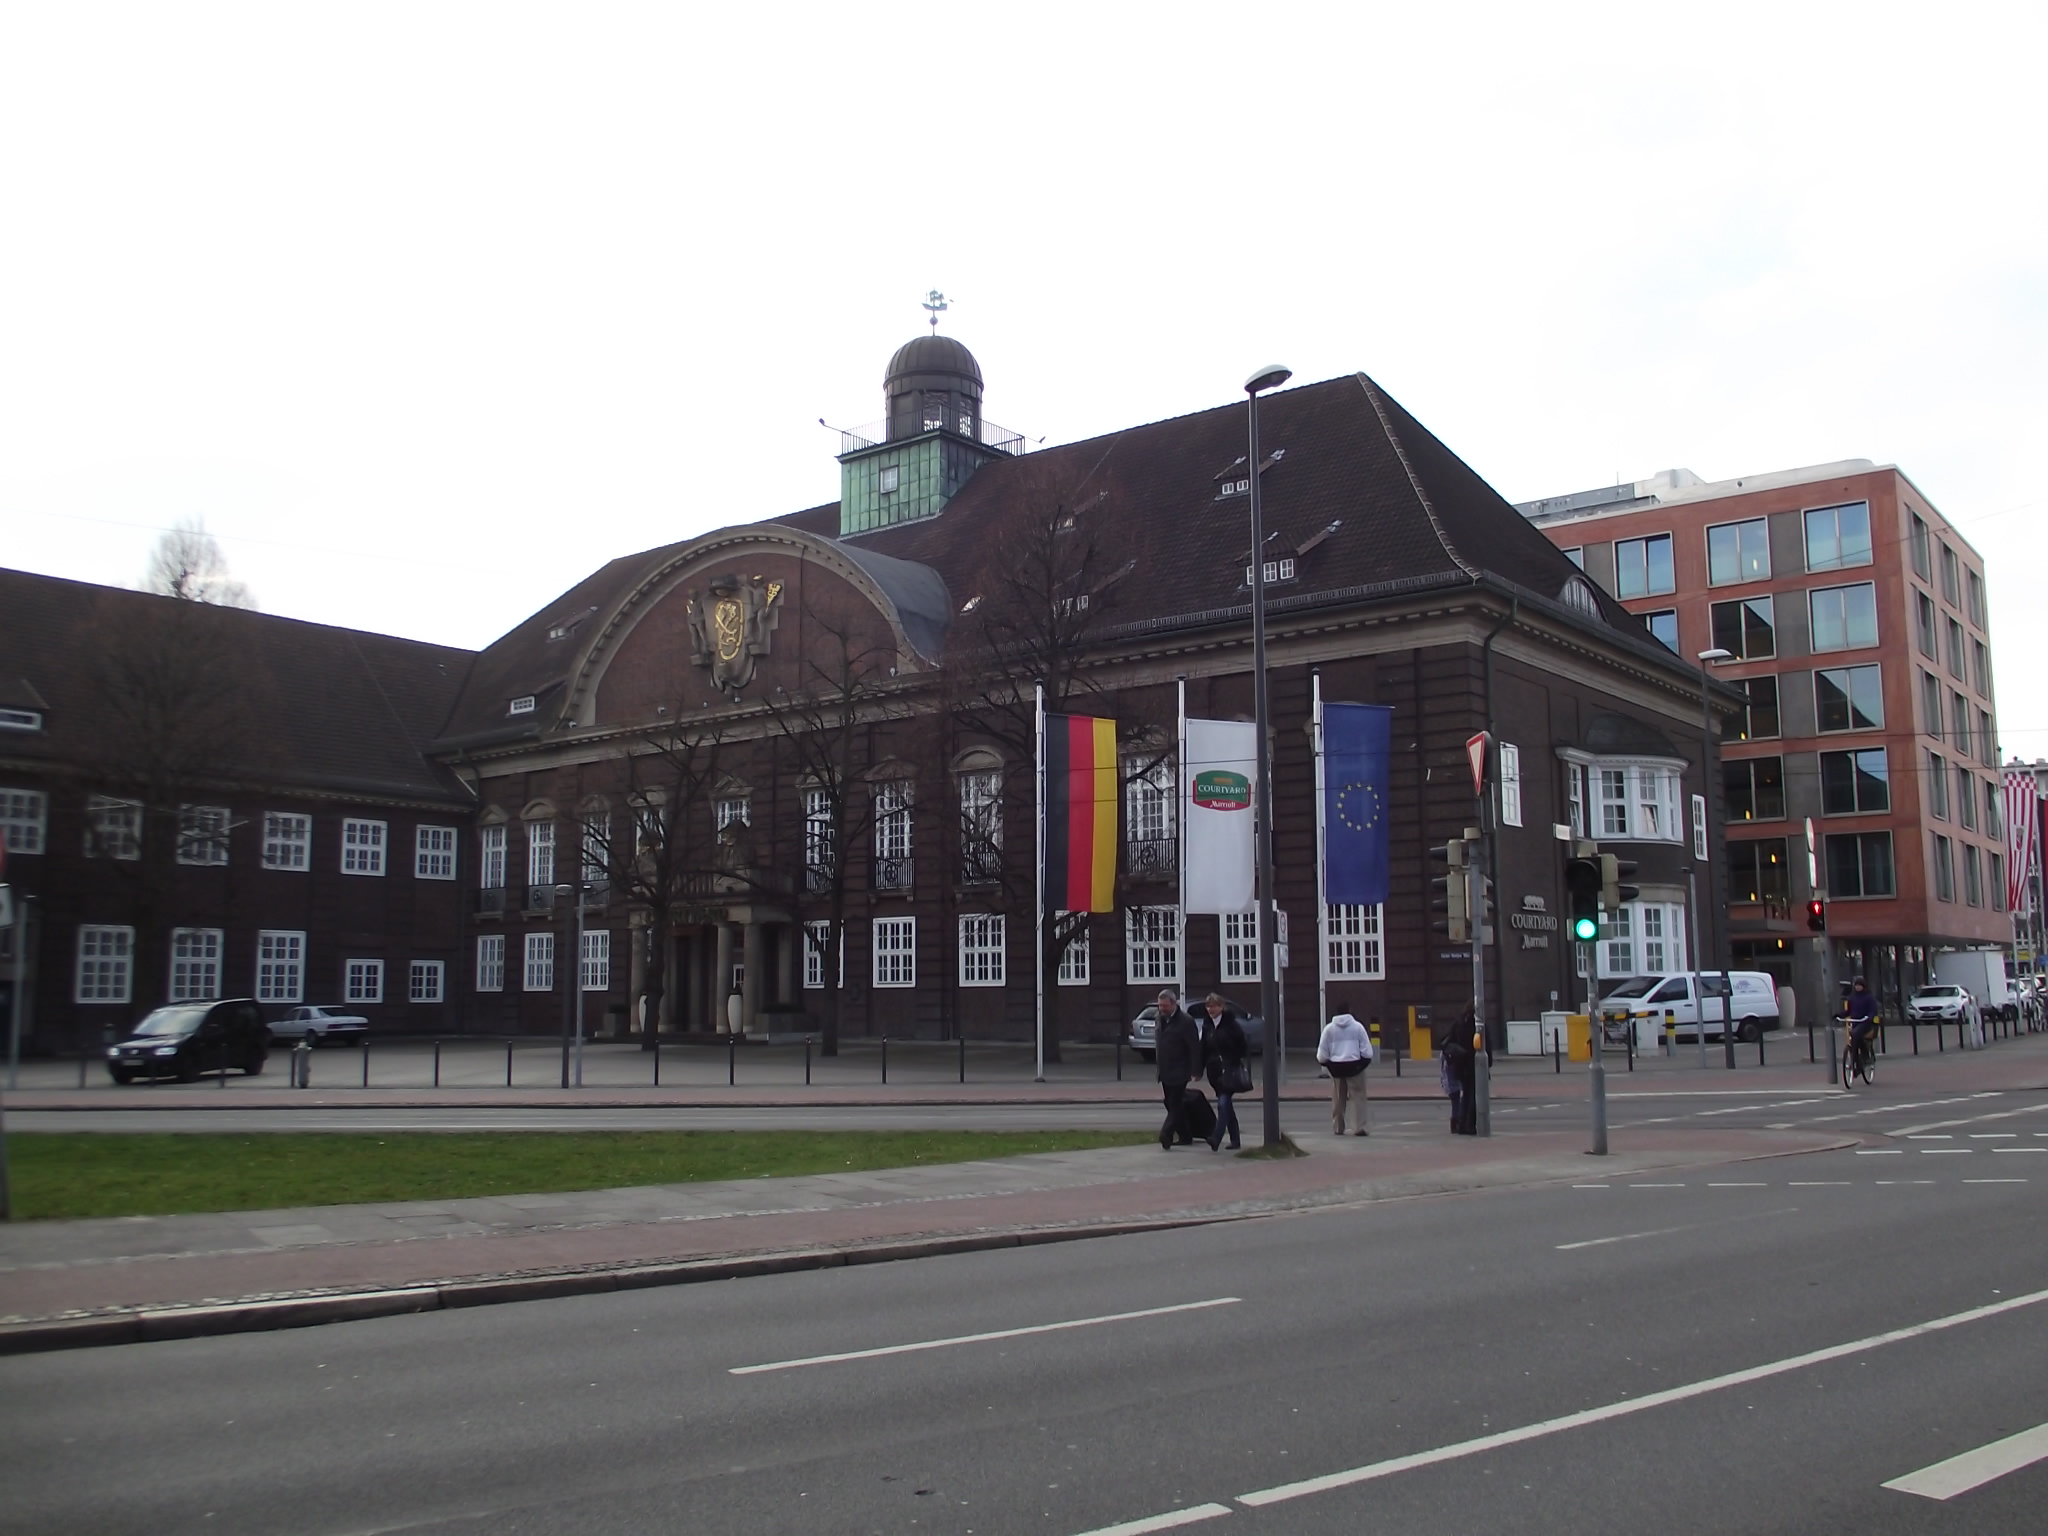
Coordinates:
(1337,1342)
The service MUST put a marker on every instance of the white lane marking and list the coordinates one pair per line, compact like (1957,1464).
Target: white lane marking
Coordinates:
(1626,1237)
(1880,1151)
(2020,1149)
(1937,1125)
(1166,1522)
(1592,1186)
(1973,1469)
(1739,1109)
(1758,1185)
(1946,1151)
(1994,1181)
(1993,1135)
(980,1338)
(1656,1186)
(1820,1183)
(1929,1136)
(1261,1497)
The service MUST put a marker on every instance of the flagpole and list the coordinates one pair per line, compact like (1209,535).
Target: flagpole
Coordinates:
(1322,861)
(1180,828)
(1038,904)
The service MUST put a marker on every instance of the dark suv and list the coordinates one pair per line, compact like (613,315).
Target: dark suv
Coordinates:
(187,1039)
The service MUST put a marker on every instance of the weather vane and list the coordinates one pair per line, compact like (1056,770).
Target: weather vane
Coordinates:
(935,305)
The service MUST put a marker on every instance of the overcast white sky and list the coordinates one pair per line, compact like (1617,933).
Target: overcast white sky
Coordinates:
(430,308)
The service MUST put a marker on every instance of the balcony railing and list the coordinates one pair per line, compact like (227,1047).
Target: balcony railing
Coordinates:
(490,901)
(540,898)
(893,875)
(1152,858)
(876,433)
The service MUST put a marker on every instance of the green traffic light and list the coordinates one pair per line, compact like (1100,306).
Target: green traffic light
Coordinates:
(1586,929)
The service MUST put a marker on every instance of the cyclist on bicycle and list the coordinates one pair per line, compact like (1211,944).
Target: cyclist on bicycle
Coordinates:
(1862,1017)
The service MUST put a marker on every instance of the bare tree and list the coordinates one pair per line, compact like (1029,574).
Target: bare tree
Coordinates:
(825,734)
(187,563)
(665,852)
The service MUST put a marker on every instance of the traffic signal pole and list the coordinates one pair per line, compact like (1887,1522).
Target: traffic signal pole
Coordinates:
(1475,896)
(1596,1079)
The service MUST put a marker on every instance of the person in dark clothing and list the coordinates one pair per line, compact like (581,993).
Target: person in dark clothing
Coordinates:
(1460,1076)
(1224,1050)
(1177,1046)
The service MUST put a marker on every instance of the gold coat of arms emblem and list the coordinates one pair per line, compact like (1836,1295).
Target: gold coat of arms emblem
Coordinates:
(730,625)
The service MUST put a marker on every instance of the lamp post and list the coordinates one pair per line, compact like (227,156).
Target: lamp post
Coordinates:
(1713,656)
(1271,377)
(572,1000)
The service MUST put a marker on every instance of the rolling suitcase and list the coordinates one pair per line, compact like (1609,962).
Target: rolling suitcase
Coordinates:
(1197,1117)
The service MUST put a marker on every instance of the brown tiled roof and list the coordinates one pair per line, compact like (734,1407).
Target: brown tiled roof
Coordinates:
(333,710)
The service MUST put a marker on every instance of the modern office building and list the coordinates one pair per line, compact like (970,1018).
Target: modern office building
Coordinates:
(1855,621)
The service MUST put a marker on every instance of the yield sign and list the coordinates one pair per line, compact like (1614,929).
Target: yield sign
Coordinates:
(1475,749)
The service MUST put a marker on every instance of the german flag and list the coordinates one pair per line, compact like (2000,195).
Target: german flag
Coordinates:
(1080,813)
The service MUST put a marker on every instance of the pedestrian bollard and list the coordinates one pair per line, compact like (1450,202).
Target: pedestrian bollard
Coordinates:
(508,1063)
(657,1061)
(1759,1046)
(1557,1051)
(1809,1042)
(437,1063)
(885,1058)
(1119,1058)
(732,1046)
(1915,1026)
(963,1058)
(1671,1032)
(366,1061)
(807,1061)
(1630,1046)
(302,1065)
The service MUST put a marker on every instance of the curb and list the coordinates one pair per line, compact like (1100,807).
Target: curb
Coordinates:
(158,1324)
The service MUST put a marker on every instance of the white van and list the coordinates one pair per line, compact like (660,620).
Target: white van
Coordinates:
(1646,998)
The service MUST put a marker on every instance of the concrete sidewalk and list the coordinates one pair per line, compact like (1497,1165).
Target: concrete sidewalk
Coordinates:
(65,1284)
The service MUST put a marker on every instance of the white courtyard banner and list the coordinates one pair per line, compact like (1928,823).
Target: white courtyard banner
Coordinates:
(1218,770)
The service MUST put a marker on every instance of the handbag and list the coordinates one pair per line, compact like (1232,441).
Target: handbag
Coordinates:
(1234,1077)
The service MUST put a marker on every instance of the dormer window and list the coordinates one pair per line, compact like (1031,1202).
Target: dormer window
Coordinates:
(887,479)
(523,705)
(1276,570)
(1578,595)
(21,720)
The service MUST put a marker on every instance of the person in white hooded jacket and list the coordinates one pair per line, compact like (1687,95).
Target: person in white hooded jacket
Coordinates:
(1345,1049)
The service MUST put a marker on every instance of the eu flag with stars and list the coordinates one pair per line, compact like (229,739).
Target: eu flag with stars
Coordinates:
(1355,751)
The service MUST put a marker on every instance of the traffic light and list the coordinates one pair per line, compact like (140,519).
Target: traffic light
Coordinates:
(1452,898)
(1612,892)
(1582,897)
(1817,915)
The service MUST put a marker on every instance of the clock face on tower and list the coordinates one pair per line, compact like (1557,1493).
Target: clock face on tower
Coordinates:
(732,623)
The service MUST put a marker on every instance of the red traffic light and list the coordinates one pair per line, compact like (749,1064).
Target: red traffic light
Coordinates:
(1817,915)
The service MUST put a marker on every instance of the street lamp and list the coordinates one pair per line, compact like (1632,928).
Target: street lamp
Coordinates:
(1271,377)
(1713,656)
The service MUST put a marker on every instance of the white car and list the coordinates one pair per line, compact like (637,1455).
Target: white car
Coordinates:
(1939,1002)
(1648,998)
(317,1026)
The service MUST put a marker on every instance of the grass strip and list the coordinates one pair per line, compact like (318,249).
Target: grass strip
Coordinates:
(58,1175)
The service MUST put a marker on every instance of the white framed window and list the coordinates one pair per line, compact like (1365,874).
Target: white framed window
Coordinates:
(1643,938)
(597,960)
(1614,802)
(1639,802)
(981,825)
(195,964)
(24,820)
(1074,965)
(280,965)
(540,853)
(523,705)
(1510,785)
(982,949)
(490,963)
(429,982)
(540,962)
(1656,811)
(818,861)
(892,820)
(733,811)
(362,846)
(113,828)
(106,963)
(1150,797)
(1151,945)
(363,981)
(203,834)
(1699,827)
(433,854)
(287,840)
(895,951)
(596,863)
(817,939)
(1353,949)
(491,864)
(21,719)
(1575,794)
(1241,945)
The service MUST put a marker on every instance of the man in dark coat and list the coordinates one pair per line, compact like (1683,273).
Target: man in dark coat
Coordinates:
(1177,1045)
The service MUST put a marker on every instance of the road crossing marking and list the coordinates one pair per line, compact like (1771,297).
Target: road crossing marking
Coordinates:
(1626,1237)
(1973,1469)
(1260,1498)
(980,1338)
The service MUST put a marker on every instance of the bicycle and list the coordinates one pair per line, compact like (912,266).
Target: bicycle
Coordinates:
(1859,1060)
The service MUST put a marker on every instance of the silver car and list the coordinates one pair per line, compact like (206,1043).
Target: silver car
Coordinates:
(1146,1025)
(318,1026)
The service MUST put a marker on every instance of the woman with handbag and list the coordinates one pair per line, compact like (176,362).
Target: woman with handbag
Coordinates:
(1223,1059)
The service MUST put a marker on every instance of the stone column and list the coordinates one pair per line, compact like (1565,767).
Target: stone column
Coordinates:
(721,976)
(752,957)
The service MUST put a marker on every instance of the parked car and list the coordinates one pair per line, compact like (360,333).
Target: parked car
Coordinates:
(1146,1024)
(318,1025)
(1648,997)
(1939,1002)
(187,1039)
